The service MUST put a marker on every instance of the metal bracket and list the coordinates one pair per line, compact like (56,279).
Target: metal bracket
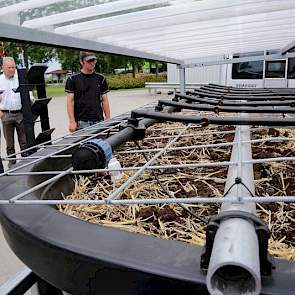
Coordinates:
(262,232)
(133,122)
(159,107)
(139,129)
(139,132)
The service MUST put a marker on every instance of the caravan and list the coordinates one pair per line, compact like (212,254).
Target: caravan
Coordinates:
(278,73)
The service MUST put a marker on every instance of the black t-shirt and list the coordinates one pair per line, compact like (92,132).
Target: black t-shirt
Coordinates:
(87,89)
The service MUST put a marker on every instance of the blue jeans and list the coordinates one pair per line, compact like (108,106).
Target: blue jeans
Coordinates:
(84,124)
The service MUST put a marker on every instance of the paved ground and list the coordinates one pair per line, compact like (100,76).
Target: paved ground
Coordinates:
(120,102)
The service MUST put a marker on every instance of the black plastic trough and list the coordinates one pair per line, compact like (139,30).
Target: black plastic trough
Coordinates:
(84,258)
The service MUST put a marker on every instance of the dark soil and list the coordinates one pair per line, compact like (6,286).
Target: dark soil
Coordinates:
(272,182)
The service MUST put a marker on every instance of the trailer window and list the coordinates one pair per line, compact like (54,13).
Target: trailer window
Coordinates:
(275,69)
(248,70)
(291,68)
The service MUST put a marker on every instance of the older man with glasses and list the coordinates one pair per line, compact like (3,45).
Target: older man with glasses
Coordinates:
(87,98)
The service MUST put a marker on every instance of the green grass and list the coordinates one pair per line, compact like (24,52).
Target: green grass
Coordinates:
(115,82)
(55,90)
(59,90)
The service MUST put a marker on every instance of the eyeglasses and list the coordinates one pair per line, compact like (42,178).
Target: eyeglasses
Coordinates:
(91,60)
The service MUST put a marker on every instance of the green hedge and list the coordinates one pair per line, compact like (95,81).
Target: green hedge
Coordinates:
(125,81)
(122,81)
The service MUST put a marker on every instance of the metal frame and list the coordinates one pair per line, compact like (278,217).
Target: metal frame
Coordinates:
(26,280)
(289,47)
(182,80)
(240,166)
(138,170)
(16,33)
(174,29)
(194,13)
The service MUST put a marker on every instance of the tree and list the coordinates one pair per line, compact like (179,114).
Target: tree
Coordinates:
(32,53)
(69,59)
(136,64)
(39,53)
(107,63)
(157,67)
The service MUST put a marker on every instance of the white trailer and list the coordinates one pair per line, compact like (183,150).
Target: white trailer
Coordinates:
(273,73)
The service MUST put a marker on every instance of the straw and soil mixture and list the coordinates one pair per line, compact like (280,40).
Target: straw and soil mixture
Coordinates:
(276,179)
(187,222)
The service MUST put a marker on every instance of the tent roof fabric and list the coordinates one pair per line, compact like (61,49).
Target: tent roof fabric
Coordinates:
(169,30)
(57,72)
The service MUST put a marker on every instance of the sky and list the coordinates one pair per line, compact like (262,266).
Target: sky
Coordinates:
(53,65)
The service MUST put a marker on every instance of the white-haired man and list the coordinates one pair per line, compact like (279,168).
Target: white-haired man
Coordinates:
(11,108)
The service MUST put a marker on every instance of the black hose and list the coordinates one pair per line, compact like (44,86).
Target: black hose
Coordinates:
(232,88)
(274,91)
(204,121)
(218,109)
(253,92)
(233,93)
(240,97)
(290,103)
(87,158)
(126,134)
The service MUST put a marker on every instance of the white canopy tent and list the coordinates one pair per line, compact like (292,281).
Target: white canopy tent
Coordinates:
(169,30)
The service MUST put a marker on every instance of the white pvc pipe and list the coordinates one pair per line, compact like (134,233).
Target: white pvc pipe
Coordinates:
(182,80)
(234,267)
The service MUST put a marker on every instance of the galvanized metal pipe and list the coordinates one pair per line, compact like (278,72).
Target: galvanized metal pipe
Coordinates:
(72,135)
(170,166)
(182,80)
(200,134)
(192,200)
(234,266)
(51,154)
(275,139)
(213,145)
(126,184)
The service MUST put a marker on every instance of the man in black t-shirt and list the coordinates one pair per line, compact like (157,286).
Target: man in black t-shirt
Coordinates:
(87,98)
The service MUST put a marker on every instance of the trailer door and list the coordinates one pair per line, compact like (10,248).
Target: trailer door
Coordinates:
(275,74)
